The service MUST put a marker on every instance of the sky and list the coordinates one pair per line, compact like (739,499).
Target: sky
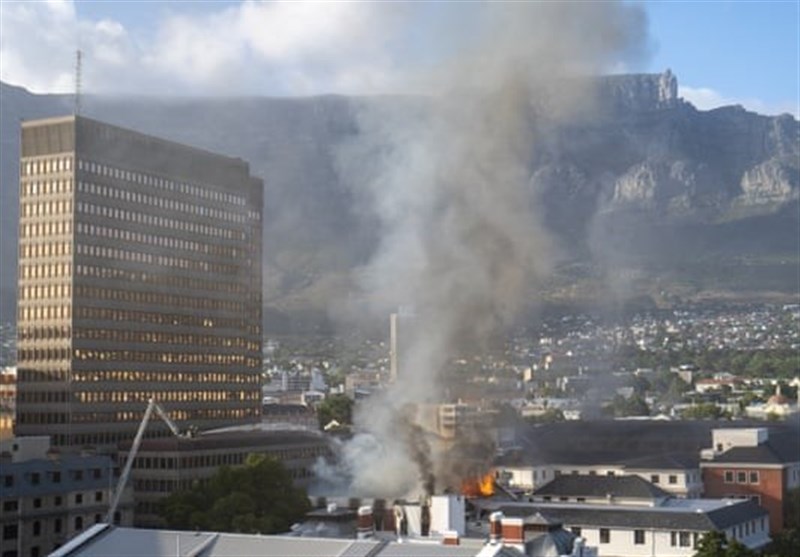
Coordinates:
(723,52)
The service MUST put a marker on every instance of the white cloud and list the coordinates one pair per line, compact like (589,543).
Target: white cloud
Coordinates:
(705,98)
(252,47)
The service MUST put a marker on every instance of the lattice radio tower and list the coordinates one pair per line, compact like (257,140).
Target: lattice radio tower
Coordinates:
(78,70)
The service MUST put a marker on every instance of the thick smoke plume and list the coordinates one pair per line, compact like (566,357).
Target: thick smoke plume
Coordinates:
(449,180)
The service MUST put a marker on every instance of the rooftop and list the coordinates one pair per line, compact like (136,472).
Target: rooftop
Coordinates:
(601,486)
(103,540)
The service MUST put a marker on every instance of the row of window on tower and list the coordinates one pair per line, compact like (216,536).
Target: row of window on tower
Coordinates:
(171,242)
(168,223)
(169,280)
(155,298)
(144,257)
(159,201)
(167,319)
(161,183)
(46,165)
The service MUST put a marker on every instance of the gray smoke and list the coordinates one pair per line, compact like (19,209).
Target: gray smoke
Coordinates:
(449,182)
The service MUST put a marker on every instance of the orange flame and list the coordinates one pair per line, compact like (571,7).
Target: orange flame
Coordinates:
(482,486)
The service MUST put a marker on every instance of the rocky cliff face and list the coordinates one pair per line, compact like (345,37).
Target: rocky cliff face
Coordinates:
(640,161)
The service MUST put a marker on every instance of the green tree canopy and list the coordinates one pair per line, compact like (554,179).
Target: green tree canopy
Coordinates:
(335,407)
(256,498)
(716,544)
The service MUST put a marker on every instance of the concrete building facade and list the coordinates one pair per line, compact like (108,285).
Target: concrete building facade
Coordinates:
(139,276)
(47,498)
(164,466)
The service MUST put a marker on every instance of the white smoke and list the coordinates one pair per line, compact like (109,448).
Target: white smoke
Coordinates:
(448,178)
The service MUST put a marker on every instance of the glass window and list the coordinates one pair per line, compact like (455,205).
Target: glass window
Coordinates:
(728,476)
(638,537)
(741,477)
(754,477)
(684,539)
(605,535)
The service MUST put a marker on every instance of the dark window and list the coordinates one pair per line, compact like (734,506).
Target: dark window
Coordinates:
(35,552)
(56,477)
(741,477)
(10,532)
(754,477)
(10,505)
(654,478)
(78,498)
(610,473)
(673,538)
(57,500)
(57,526)
(8,481)
(576,530)
(37,528)
(78,475)
(97,518)
(78,523)
(684,539)
(605,535)
(35,478)
(96,473)
(98,495)
(638,537)
(547,498)
(672,479)
(728,476)
(37,503)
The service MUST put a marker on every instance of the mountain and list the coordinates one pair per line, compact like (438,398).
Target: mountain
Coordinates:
(638,191)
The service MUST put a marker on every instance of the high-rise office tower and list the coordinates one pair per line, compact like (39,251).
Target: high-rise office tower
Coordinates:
(139,277)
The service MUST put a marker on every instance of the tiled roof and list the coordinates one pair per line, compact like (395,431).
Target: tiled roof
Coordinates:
(724,515)
(781,447)
(600,486)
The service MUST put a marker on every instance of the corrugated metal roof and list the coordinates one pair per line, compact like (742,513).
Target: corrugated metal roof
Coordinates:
(132,542)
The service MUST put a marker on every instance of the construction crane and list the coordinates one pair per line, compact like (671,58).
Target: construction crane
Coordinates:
(123,478)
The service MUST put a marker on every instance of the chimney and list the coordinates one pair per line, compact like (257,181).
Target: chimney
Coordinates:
(513,530)
(451,538)
(495,527)
(366,523)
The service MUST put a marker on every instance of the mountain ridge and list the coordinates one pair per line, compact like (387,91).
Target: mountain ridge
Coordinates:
(611,181)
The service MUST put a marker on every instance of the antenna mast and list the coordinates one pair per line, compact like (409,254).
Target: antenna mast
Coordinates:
(78,56)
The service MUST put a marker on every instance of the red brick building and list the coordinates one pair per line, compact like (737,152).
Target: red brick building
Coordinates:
(757,463)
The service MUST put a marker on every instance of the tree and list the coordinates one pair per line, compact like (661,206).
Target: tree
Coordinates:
(632,406)
(256,498)
(705,411)
(335,407)
(716,544)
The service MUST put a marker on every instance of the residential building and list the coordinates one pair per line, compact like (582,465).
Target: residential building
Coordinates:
(672,528)
(610,490)
(757,463)
(665,453)
(139,277)
(47,498)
